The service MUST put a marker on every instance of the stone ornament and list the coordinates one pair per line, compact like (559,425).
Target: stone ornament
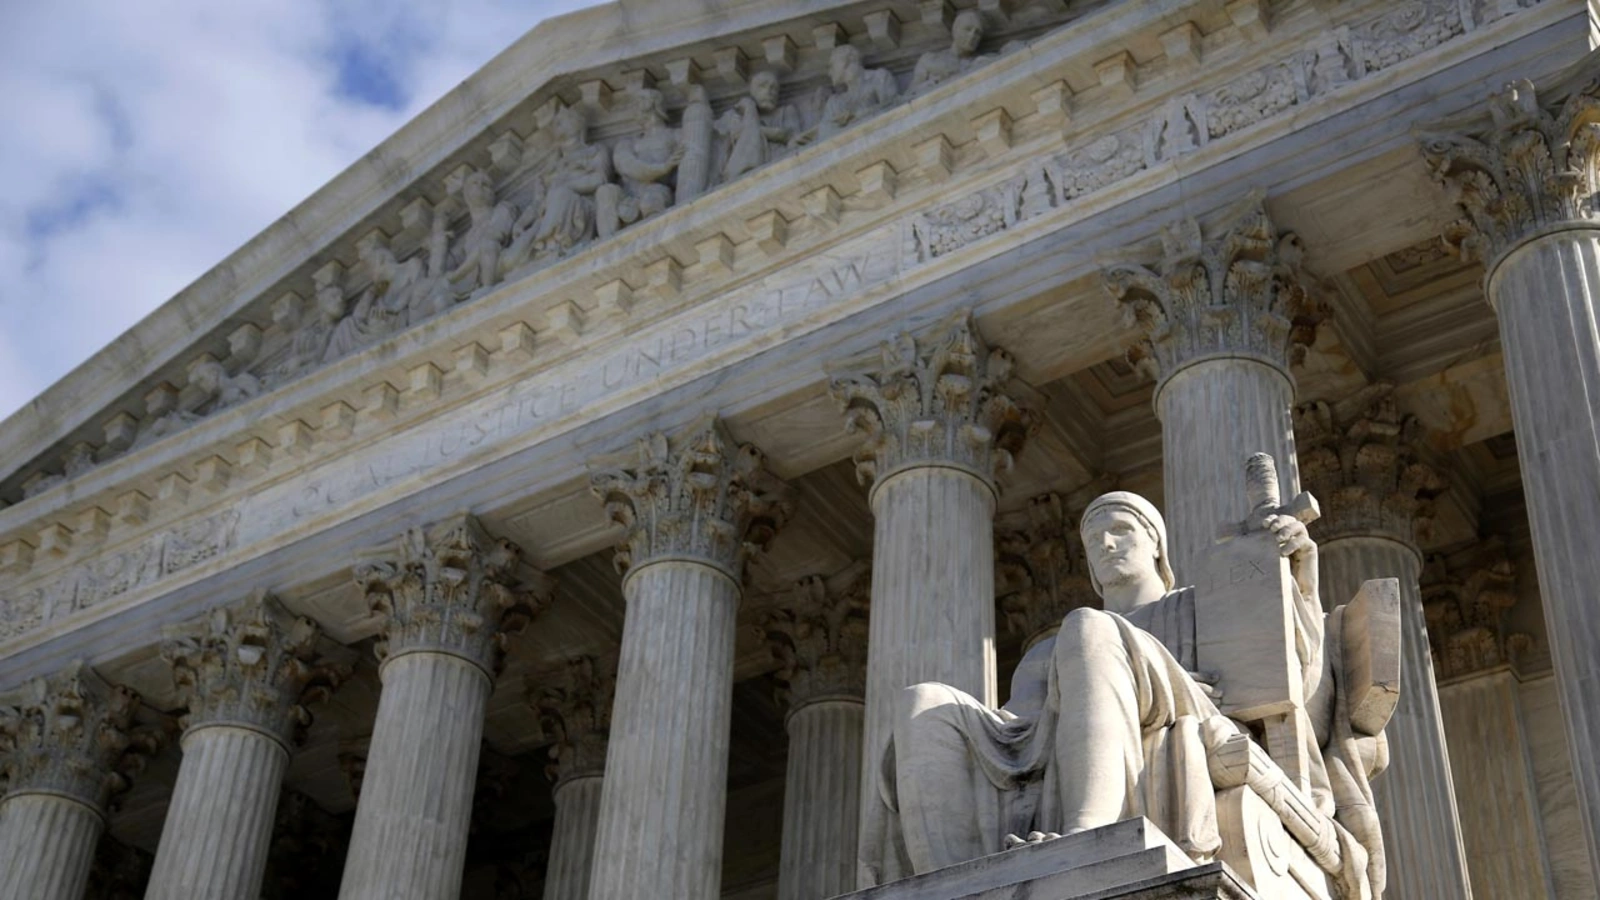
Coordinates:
(644,164)
(758,129)
(1365,461)
(252,665)
(1041,571)
(938,66)
(1238,292)
(1140,708)
(574,709)
(452,588)
(1523,166)
(936,401)
(818,634)
(1467,597)
(73,734)
(858,92)
(701,496)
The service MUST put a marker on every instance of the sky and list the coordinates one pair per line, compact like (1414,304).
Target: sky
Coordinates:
(145,140)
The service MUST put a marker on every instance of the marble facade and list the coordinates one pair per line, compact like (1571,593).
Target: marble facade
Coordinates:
(553,504)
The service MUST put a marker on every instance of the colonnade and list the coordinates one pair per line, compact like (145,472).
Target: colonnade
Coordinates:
(641,794)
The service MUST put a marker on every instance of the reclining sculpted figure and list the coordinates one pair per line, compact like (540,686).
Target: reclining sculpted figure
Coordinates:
(1122,715)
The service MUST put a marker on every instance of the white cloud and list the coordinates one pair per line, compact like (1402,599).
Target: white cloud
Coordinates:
(146,141)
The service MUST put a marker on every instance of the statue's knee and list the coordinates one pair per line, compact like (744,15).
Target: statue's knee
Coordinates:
(1085,627)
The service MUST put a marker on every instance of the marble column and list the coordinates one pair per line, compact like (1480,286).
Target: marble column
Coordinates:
(245,674)
(65,750)
(1361,459)
(938,426)
(819,635)
(1041,573)
(1223,315)
(449,596)
(693,508)
(575,707)
(1524,174)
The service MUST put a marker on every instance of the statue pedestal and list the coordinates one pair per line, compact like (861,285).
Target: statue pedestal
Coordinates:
(1131,859)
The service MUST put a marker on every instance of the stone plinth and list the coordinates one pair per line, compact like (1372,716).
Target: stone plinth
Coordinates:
(1130,859)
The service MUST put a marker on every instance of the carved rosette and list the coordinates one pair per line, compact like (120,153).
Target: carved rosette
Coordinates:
(453,588)
(1361,458)
(818,634)
(1237,293)
(1521,165)
(252,665)
(74,735)
(939,401)
(1466,598)
(1040,568)
(575,709)
(700,497)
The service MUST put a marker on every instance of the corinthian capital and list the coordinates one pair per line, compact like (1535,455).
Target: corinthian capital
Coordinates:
(1362,459)
(819,636)
(1040,567)
(700,496)
(73,734)
(574,707)
(453,588)
(1526,162)
(253,665)
(936,401)
(1238,292)
(1467,597)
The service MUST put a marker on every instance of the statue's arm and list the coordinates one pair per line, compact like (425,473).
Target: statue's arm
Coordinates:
(1295,543)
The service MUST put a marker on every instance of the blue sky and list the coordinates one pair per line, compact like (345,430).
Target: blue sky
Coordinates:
(145,141)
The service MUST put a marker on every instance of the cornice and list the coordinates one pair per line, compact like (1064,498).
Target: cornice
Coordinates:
(478,362)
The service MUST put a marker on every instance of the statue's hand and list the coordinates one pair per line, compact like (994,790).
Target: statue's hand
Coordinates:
(1293,538)
(1034,837)
(1207,682)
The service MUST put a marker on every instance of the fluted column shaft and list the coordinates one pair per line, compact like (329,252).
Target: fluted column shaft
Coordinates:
(1500,827)
(1415,796)
(218,830)
(572,840)
(1214,414)
(47,844)
(410,834)
(662,804)
(1545,293)
(821,794)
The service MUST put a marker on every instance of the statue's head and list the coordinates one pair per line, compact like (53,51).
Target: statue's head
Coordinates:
(208,375)
(569,126)
(1125,540)
(844,66)
(764,89)
(651,105)
(966,31)
(477,189)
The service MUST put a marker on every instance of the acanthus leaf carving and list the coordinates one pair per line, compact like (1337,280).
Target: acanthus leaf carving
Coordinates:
(1522,166)
(1467,596)
(574,707)
(253,665)
(1240,292)
(818,634)
(940,400)
(1362,458)
(699,496)
(452,588)
(74,734)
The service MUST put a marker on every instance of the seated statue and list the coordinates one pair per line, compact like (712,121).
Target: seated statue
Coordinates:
(937,66)
(644,163)
(858,92)
(1115,718)
(758,129)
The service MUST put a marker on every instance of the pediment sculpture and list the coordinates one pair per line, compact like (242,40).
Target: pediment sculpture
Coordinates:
(1236,715)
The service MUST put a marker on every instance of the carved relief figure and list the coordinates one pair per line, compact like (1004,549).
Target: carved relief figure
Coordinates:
(79,459)
(478,263)
(937,66)
(221,389)
(696,129)
(401,293)
(758,129)
(644,162)
(162,417)
(580,169)
(1112,718)
(858,92)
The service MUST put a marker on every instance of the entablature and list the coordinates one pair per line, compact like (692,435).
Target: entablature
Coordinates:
(630,322)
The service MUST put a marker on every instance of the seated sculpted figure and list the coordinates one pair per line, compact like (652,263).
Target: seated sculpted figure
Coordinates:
(858,92)
(937,66)
(1107,721)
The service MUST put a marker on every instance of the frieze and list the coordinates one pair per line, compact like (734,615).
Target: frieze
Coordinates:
(525,411)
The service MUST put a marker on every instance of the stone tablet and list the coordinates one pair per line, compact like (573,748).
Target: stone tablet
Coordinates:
(1244,627)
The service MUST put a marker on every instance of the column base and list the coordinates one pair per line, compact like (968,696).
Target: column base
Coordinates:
(1130,859)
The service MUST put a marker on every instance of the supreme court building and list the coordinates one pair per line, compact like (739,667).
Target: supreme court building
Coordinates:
(553,503)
